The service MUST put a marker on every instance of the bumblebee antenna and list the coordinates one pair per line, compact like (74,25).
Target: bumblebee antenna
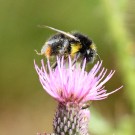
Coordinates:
(60,31)
(98,57)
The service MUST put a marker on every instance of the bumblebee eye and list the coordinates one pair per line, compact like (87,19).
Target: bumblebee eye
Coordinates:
(88,51)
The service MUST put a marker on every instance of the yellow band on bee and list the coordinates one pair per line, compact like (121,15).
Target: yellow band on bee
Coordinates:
(93,46)
(75,48)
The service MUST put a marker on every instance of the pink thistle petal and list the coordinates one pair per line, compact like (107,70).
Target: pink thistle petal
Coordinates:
(72,83)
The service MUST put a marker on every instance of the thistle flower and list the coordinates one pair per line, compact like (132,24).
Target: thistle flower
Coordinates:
(72,87)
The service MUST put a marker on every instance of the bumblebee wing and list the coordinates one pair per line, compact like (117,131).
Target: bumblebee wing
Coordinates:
(60,31)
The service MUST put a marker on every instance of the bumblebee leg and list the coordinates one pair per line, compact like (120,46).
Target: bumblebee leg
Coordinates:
(82,63)
(37,52)
(54,65)
(76,58)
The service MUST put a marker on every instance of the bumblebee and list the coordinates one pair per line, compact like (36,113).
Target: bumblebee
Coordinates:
(77,45)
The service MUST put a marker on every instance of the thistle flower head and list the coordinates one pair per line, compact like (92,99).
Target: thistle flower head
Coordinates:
(73,84)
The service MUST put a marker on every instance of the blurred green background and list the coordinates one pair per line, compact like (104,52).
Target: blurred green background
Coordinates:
(25,108)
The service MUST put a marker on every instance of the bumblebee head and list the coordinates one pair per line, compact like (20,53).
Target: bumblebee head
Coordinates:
(90,55)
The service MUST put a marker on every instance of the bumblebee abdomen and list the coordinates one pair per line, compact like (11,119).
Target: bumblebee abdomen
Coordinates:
(56,45)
